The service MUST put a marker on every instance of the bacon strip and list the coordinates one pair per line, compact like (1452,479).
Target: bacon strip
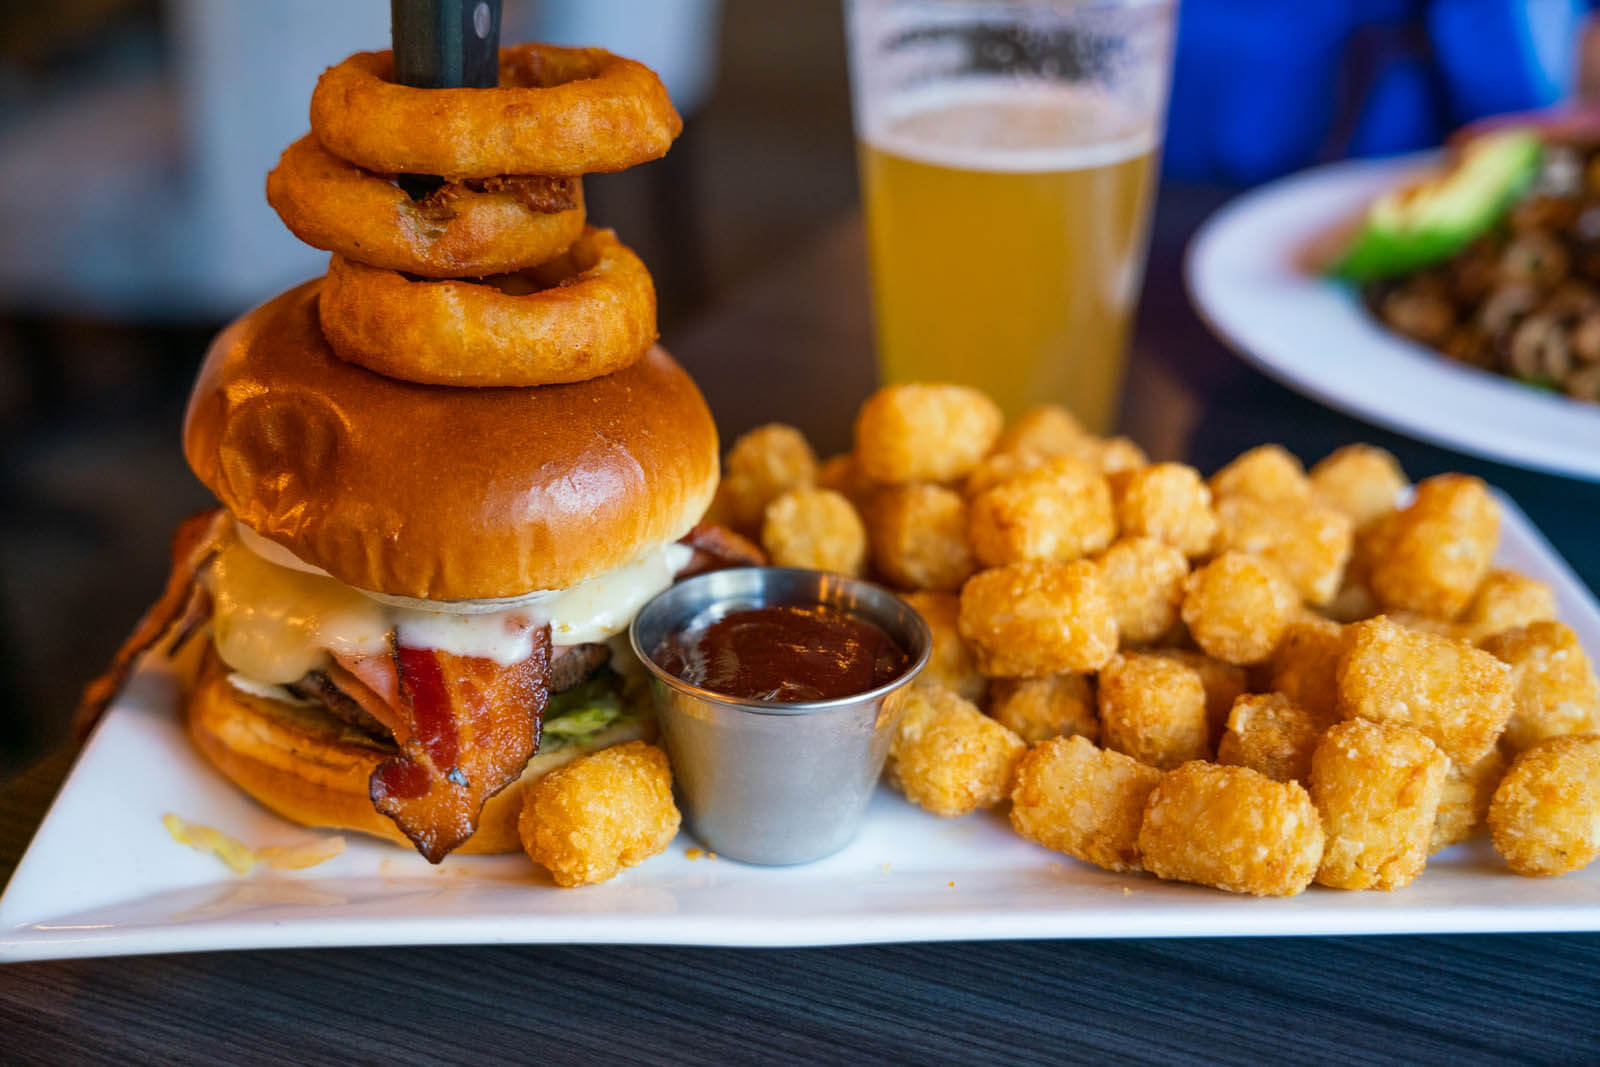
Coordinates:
(472,727)
(717,548)
(181,608)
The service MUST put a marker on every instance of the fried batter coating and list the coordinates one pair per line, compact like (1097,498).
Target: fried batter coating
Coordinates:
(1060,510)
(1545,816)
(1037,709)
(1027,620)
(918,535)
(1231,828)
(1224,683)
(611,809)
(1270,733)
(814,528)
(1045,430)
(1363,481)
(1457,695)
(1438,549)
(1504,601)
(762,465)
(948,757)
(924,432)
(1377,787)
(843,475)
(1144,579)
(951,663)
(1308,542)
(1154,709)
(1553,683)
(1464,804)
(1306,668)
(1085,801)
(1167,502)
(1238,606)
(1267,472)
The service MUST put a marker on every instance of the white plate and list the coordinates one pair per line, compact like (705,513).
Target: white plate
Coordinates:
(103,878)
(1313,335)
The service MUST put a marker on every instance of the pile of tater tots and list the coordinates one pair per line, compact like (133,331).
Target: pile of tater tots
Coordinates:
(1251,681)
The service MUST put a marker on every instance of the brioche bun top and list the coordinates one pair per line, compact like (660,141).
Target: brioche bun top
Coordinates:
(436,492)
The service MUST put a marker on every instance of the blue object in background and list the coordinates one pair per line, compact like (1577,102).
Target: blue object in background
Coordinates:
(1261,88)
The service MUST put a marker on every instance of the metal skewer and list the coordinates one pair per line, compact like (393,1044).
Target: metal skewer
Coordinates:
(444,44)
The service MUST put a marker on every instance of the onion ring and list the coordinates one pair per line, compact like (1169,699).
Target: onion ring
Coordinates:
(559,111)
(589,313)
(336,206)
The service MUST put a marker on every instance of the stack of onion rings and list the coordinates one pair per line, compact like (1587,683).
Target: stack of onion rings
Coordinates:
(495,278)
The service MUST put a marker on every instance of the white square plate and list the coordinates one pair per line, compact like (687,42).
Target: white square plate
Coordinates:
(102,876)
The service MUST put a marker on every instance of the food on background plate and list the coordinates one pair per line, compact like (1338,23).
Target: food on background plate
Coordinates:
(948,757)
(1492,261)
(410,602)
(1306,663)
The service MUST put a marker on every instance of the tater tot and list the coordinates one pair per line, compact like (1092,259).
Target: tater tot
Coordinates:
(918,536)
(1267,472)
(1457,695)
(1027,620)
(951,662)
(1270,733)
(999,467)
(1306,668)
(1113,455)
(1553,684)
(1058,511)
(1045,430)
(1545,816)
(1464,804)
(1037,709)
(1237,608)
(1167,502)
(763,464)
(815,528)
(924,432)
(948,757)
(1362,481)
(1504,601)
(843,475)
(1153,708)
(1377,787)
(1439,547)
(1308,542)
(1224,683)
(1231,828)
(1144,579)
(1082,800)
(584,822)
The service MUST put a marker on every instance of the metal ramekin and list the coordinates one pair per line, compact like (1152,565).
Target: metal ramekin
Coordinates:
(767,782)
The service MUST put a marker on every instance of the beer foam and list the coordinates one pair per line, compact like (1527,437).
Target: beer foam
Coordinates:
(997,124)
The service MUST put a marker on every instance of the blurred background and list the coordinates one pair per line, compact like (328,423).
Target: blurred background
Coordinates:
(135,136)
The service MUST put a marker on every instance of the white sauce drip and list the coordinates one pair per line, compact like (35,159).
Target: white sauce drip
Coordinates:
(277,617)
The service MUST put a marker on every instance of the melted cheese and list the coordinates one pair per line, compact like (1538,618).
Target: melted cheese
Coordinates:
(276,617)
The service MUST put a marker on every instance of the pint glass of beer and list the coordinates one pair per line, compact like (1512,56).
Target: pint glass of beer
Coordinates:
(1007,152)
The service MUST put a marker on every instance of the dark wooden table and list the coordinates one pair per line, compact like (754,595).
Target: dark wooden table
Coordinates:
(795,346)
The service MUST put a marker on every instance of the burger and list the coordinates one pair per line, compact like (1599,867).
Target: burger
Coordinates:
(413,600)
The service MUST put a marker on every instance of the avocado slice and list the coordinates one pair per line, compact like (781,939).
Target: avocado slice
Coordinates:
(1422,223)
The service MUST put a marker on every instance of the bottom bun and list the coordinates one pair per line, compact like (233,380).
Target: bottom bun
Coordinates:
(309,768)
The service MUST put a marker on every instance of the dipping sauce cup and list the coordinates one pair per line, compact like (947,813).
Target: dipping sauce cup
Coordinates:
(764,781)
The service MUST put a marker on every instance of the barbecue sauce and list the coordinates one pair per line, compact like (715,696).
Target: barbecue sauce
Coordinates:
(785,654)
